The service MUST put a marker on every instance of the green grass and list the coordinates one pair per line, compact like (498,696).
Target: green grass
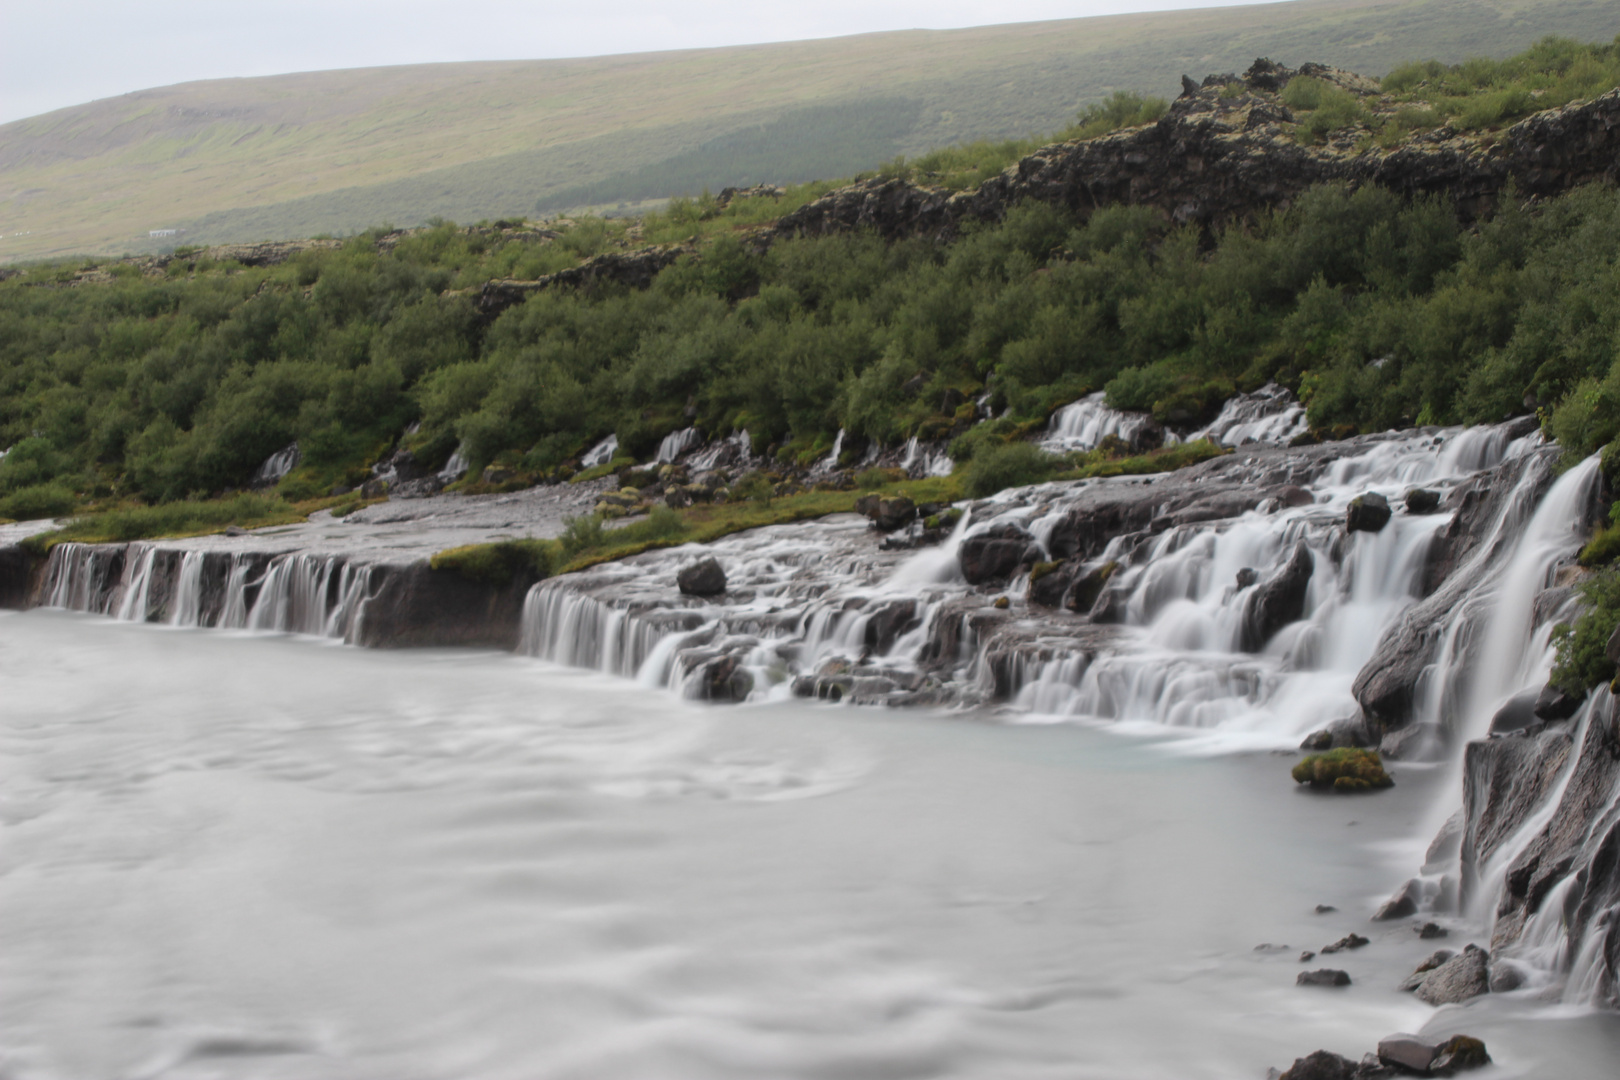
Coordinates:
(336,152)
(172,520)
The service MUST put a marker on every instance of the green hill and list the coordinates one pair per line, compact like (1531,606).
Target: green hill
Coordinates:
(333,152)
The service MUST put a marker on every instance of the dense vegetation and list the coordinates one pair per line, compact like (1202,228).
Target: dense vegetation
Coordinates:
(129,382)
(1380,312)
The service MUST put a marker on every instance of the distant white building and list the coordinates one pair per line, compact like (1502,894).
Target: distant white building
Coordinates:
(157,233)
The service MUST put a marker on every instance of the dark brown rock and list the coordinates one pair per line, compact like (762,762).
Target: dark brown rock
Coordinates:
(705,577)
(1367,513)
(1323,977)
(1279,600)
(993,554)
(1404,903)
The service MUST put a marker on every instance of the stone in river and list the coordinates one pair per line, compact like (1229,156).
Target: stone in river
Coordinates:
(702,578)
(1323,977)
(1464,976)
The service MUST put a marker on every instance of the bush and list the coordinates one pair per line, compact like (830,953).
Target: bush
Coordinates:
(1582,661)
(1344,770)
(581,534)
(1010,465)
(38,501)
(754,486)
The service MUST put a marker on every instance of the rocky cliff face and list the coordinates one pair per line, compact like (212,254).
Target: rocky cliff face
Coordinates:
(1217,155)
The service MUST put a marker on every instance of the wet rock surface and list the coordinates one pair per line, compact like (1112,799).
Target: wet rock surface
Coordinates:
(706,577)
(1464,976)
(1323,977)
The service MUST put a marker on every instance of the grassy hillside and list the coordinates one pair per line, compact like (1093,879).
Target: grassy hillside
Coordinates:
(295,155)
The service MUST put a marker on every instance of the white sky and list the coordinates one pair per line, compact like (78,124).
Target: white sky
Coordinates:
(55,53)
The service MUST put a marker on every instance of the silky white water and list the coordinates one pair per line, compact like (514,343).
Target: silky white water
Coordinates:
(233,854)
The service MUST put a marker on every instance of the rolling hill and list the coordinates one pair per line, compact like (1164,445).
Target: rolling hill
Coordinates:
(331,152)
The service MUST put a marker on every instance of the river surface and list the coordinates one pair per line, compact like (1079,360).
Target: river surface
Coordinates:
(225,854)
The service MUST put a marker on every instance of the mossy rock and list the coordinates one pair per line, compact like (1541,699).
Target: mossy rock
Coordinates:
(1346,770)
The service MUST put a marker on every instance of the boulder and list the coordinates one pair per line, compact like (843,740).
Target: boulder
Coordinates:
(1447,842)
(723,679)
(1464,976)
(705,577)
(1431,931)
(1422,501)
(1553,704)
(895,513)
(1292,495)
(1458,1053)
(1247,576)
(1406,1051)
(1403,904)
(1422,971)
(993,554)
(1518,714)
(1368,512)
(1323,977)
(373,489)
(1279,600)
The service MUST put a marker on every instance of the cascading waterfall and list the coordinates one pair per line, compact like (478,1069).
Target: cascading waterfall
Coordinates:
(675,444)
(299,593)
(1083,424)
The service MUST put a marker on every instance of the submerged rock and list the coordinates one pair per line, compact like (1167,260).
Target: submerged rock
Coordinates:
(1323,977)
(1349,941)
(1458,1053)
(1321,1065)
(1406,1051)
(1464,976)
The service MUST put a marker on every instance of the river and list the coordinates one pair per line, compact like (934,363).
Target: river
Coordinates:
(256,855)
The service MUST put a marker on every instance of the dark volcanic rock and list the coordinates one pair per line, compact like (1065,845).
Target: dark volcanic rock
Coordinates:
(1422,501)
(1085,593)
(1049,587)
(992,555)
(1367,513)
(1323,977)
(414,606)
(1279,600)
(1321,1065)
(1464,976)
(16,572)
(703,578)
(1518,714)
(888,622)
(1553,704)
(635,269)
(1349,941)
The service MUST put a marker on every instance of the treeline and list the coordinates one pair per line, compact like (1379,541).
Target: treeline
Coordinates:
(1380,312)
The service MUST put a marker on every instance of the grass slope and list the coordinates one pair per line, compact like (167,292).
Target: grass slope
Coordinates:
(294,155)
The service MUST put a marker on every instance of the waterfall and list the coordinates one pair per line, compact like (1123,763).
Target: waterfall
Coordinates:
(1083,424)
(276,466)
(675,444)
(919,463)
(298,593)
(188,591)
(456,467)
(830,462)
(1512,658)
(601,453)
(1269,415)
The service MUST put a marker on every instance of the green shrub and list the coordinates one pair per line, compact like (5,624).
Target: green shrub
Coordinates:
(1344,770)
(1604,547)
(581,534)
(38,501)
(876,478)
(753,486)
(1582,661)
(1010,465)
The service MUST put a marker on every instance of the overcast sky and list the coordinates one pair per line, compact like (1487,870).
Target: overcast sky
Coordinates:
(55,53)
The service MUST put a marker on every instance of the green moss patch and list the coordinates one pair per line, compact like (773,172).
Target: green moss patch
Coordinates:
(1345,770)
